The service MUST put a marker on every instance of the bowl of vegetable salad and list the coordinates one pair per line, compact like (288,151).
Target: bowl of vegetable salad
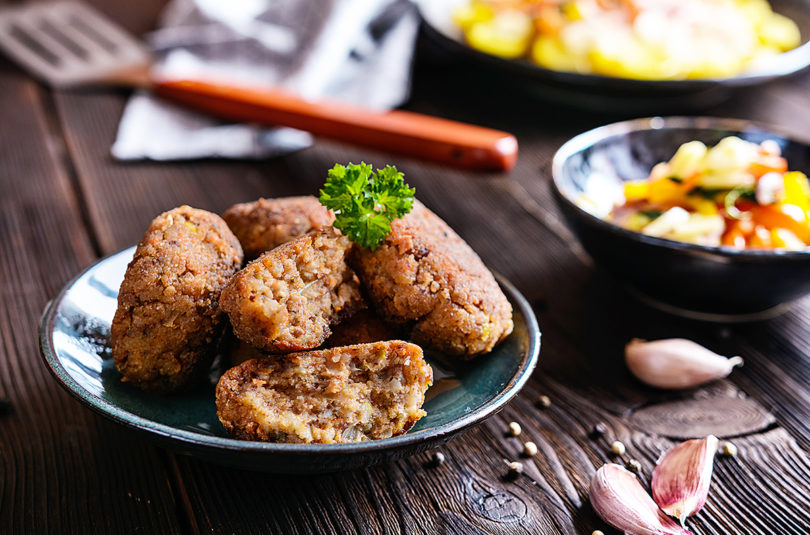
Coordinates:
(704,216)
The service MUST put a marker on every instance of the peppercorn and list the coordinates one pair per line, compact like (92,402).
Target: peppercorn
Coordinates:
(598,431)
(728,449)
(515,468)
(634,466)
(618,448)
(514,429)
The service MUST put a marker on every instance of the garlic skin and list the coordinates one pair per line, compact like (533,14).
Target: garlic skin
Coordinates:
(680,482)
(676,363)
(619,499)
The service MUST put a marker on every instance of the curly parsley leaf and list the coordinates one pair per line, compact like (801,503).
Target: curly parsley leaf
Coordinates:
(365,202)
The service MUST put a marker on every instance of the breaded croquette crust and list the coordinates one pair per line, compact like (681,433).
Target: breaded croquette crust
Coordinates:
(267,223)
(425,277)
(168,315)
(286,299)
(345,394)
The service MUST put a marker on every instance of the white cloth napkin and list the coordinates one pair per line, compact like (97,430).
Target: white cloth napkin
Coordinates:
(357,51)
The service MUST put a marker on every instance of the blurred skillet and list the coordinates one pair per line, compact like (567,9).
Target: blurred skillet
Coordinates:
(604,93)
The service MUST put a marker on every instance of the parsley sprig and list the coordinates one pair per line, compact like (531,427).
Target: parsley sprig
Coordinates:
(365,202)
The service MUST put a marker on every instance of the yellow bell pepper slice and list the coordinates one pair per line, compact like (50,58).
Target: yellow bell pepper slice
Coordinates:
(507,35)
(797,190)
(636,190)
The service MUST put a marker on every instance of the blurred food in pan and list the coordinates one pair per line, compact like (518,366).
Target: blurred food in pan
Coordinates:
(637,39)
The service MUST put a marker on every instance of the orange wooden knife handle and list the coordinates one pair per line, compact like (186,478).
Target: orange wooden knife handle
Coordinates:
(402,132)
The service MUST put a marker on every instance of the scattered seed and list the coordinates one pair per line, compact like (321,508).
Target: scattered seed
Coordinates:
(598,430)
(529,449)
(618,448)
(728,449)
(544,401)
(514,429)
(515,468)
(634,466)
(438,458)
(597,532)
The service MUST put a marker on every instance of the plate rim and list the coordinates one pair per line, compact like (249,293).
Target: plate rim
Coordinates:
(185,437)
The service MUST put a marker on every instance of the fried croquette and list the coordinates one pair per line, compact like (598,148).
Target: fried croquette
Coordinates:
(267,223)
(168,317)
(287,299)
(425,277)
(345,394)
(363,327)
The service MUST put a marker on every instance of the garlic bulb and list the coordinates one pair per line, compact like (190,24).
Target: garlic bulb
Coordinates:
(680,482)
(676,363)
(619,499)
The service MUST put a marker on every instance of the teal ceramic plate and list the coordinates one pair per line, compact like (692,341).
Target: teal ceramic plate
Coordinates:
(73,341)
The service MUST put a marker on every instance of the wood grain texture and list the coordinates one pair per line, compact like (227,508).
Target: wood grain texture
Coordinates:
(470,493)
(586,318)
(60,464)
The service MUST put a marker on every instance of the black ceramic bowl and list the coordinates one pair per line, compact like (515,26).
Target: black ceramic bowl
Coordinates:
(708,282)
(600,93)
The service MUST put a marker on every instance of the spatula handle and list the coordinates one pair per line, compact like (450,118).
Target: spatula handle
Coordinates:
(410,134)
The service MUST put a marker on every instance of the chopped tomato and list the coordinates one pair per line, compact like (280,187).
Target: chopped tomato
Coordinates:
(690,182)
(767,164)
(761,238)
(549,20)
(734,235)
(771,217)
(632,8)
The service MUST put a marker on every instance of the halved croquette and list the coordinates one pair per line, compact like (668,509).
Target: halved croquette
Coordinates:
(345,394)
(286,299)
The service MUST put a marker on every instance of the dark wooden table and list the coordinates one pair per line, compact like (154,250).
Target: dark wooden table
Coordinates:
(64,203)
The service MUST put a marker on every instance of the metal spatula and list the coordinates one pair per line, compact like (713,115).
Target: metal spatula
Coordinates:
(68,44)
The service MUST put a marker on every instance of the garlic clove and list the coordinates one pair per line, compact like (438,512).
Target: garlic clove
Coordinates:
(680,482)
(676,363)
(619,499)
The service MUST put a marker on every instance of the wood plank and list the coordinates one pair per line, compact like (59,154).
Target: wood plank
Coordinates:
(121,199)
(64,469)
